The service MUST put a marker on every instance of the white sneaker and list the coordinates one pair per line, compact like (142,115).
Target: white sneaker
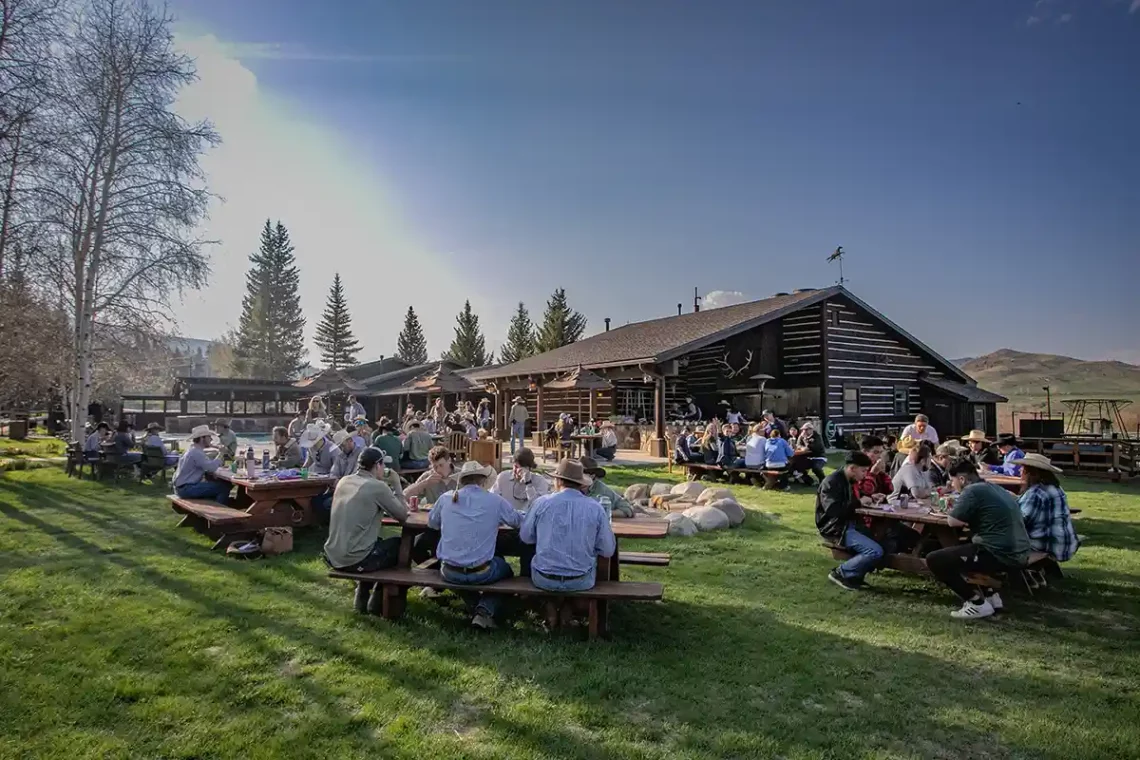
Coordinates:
(971,610)
(995,601)
(429,593)
(484,621)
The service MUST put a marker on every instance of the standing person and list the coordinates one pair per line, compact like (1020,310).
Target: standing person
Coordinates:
(353,410)
(297,426)
(288,454)
(835,519)
(809,454)
(518,419)
(317,408)
(598,490)
(692,411)
(731,414)
(913,475)
(919,430)
(227,440)
(468,523)
(417,446)
(981,451)
(1045,509)
(438,413)
(484,414)
(1010,449)
(354,545)
(569,530)
(998,543)
(521,485)
(607,447)
(190,478)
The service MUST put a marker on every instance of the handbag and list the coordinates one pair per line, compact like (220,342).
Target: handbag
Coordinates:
(276,541)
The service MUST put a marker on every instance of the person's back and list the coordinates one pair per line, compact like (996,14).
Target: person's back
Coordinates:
(468,521)
(995,521)
(354,520)
(754,450)
(390,444)
(154,440)
(91,446)
(228,442)
(123,442)
(417,445)
(1048,522)
(569,530)
(777,452)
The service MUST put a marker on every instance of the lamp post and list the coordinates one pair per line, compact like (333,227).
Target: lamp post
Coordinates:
(1048,402)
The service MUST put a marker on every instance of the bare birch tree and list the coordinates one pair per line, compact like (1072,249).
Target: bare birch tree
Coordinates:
(123,188)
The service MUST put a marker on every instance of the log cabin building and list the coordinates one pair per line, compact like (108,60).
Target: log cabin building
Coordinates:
(821,354)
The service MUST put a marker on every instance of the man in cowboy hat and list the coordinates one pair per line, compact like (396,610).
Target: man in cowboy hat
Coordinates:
(518,418)
(468,522)
(981,452)
(320,456)
(569,530)
(998,541)
(1045,509)
(190,478)
(1010,449)
(288,454)
(598,489)
(345,455)
(227,440)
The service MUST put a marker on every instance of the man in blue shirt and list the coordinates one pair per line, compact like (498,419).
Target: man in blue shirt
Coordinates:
(1010,450)
(190,480)
(468,520)
(569,530)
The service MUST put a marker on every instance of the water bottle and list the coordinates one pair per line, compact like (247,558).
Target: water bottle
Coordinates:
(265,459)
(607,506)
(250,460)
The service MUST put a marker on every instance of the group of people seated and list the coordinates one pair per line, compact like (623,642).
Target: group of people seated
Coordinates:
(770,444)
(123,443)
(566,427)
(1004,529)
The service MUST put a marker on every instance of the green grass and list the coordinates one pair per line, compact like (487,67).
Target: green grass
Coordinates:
(32,447)
(121,636)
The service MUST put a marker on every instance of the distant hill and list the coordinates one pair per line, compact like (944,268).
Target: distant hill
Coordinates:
(1021,377)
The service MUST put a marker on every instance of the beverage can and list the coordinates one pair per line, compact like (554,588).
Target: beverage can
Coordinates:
(414,504)
(904,500)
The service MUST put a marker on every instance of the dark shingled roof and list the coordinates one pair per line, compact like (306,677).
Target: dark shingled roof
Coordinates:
(970,393)
(659,339)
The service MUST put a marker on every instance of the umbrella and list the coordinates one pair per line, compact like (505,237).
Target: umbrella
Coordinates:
(439,381)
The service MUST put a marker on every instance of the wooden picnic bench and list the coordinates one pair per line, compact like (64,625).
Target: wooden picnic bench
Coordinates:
(223,524)
(698,470)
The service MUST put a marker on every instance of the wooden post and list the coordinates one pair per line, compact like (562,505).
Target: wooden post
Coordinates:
(660,447)
(1115,456)
(593,404)
(824,372)
(538,426)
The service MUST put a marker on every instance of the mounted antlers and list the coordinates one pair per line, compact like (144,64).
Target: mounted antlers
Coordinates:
(732,372)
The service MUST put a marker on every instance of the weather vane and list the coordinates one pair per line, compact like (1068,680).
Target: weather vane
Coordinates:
(838,256)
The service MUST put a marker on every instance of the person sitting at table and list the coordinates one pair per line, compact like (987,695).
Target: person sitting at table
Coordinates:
(345,454)
(101,433)
(359,503)
(124,441)
(417,445)
(607,446)
(521,485)
(353,409)
(388,441)
(470,428)
(777,454)
(190,480)
(683,452)
(597,489)
(1045,509)
(754,447)
(772,421)
(914,475)
(836,521)
(809,454)
(919,430)
(710,443)
(727,455)
(793,433)
(468,521)
(439,478)
(320,456)
(227,440)
(1010,449)
(981,450)
(876,484)
(288,454)
(153,440)
(569,531)
(999,541)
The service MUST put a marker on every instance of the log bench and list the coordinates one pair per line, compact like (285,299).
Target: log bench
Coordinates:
(396,582)
(224,524)
(698,470)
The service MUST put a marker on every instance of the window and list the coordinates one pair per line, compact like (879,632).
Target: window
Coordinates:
(215,407)
(833,318)
(195,407)
(289,407)
(154,407)
(237,407)
(850,401)
(902,400)
(271,407)
(979,417)
(132,405)
(254,407)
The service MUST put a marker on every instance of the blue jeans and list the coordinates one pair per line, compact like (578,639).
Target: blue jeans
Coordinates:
(217,490)
(517,431)
(488,604)
(867,554)
(550,584)
(606,453)
(414,464)
(322,505)
(132,457)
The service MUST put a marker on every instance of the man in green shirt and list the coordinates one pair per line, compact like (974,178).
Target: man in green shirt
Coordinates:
(598,489)
(227,440)
(389,442)
(999,541)
(417,445)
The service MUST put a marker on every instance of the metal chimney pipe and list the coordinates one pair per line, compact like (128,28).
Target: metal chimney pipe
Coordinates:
(607,324)
(678,310)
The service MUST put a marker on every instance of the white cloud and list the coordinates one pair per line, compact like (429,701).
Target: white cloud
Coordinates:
(715,299)
(280,51)
(277,162)
(1067,17)
(1134,7)
(1032,20)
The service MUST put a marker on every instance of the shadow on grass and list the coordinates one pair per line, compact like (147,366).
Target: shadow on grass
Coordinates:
(1114,534)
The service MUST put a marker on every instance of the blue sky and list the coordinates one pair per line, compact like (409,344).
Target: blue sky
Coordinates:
(977,160)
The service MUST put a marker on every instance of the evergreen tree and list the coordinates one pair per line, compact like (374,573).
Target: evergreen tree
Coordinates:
(270,335)
(468,347)
(520,337)
(411,346)
(334,337)
(560,326)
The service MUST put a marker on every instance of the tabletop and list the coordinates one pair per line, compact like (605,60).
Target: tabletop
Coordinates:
(266,483)
(913,514)
(1004,481)
(634,527)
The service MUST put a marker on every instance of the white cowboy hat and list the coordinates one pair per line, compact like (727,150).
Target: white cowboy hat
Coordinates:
(1038,462)
(471,467)
(340,437)
(201,431)
(978,436)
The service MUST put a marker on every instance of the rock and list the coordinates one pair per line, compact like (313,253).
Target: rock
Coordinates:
(733,511)
(707,518)
(710,495)
(660,501)
(659,489)
(637,492)
(679,525)
(689,491)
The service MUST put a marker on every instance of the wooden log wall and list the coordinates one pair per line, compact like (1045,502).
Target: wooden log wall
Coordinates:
(555,403)
(800,353)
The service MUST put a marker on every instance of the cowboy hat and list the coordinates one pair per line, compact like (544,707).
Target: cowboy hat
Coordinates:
(471,467)
(201,431)
(518,400)
(976,436)
(153,426)
(1008,439)
(570,470)
(591,468)
(1037,461)
(340,437)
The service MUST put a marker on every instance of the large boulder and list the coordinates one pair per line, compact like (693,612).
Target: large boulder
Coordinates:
(688,491)
(733,511)
(637,492)
(679,525)
(707,518)
(659,489)
(710,495)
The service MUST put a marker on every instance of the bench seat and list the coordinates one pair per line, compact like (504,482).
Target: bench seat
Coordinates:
(647,559)
(221,523)
(697,470)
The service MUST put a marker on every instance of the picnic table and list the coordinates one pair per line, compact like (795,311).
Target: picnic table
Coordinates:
(584,443)
(1008,482)
(262,495)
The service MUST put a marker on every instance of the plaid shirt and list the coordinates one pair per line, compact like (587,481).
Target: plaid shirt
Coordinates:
(875,482)
(1046,513)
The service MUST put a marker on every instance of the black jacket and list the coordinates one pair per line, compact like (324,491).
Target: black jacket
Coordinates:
(815,445)
(835,505)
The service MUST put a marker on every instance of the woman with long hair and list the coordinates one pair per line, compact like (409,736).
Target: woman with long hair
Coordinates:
(1045,508)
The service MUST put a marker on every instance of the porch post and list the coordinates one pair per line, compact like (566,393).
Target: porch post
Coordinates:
(659,446)
(538,426)
(593,404)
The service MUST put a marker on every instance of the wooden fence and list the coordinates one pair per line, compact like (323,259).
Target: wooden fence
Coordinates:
(1111,457)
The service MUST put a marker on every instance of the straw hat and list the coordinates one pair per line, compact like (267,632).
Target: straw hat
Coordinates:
(340,437)
(201,431)
(1038,462)
(976,436)
(570,470)
(471,467)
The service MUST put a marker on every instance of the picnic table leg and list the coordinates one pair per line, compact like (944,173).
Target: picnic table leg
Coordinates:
(599,608)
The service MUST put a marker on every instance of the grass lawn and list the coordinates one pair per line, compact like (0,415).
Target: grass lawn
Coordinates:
(34,447)
(123,637)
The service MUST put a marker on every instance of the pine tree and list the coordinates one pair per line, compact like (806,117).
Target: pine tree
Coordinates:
(560,326)
(334,337)
(520,337)
(270,335)
(411,346)
(468,347)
